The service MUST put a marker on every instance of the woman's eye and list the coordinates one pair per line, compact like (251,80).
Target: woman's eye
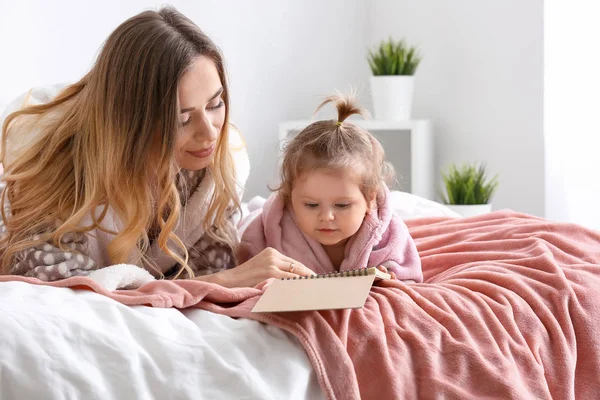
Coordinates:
(187,121)
(218,105)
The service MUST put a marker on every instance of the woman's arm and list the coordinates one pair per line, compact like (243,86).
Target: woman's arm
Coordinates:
(269,263)
(48,262)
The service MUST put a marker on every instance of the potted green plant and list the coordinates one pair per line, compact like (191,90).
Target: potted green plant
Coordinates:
(393,64)
(468,189)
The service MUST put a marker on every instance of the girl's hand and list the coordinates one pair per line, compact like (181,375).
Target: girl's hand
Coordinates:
(385,270)
(269,263)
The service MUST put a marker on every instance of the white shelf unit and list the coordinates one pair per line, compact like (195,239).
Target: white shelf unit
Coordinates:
(407,144)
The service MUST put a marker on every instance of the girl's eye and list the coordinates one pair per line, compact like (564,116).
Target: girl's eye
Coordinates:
(187,121)
(219,105)
(342,205)
(311,205)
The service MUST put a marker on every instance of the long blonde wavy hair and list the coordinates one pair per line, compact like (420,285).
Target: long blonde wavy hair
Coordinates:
(97,139)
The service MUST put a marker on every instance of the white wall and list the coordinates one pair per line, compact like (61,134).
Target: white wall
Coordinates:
(572,105)
(481,81)
(281,55)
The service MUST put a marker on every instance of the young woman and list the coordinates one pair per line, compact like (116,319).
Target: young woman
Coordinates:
(132,164)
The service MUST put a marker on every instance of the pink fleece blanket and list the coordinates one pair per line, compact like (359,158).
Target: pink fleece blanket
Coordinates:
(510,309)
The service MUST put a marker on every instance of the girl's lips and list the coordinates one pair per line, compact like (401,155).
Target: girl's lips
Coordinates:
(203,153)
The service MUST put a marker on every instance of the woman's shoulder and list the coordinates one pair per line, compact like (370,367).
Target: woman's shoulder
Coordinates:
(27,127)
(237,147)
(34,95)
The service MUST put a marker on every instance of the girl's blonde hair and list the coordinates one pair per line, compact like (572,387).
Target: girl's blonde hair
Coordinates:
(97,139)
(336,145)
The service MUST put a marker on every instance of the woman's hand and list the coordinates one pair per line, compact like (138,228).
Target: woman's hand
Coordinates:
(269,263)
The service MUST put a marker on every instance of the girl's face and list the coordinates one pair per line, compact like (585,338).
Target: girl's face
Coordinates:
(202,115)
(329,205)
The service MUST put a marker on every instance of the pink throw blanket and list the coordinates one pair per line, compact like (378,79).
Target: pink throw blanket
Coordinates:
(509,309)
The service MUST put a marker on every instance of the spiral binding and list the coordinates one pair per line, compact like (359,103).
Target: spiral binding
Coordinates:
(340,274)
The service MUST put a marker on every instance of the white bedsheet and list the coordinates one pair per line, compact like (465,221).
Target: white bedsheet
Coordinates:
(58,343)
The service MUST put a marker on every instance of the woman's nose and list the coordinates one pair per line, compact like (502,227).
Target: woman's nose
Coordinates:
(205,130)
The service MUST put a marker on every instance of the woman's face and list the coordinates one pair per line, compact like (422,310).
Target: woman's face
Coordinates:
(202,115)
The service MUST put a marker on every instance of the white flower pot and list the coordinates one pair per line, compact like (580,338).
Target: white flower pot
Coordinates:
(470,210)
(392,96)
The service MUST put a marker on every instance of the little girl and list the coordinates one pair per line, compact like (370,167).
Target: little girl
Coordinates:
(331,211)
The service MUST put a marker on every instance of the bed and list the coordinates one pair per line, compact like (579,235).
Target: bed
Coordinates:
(69,343)
(59,343)
(509,310)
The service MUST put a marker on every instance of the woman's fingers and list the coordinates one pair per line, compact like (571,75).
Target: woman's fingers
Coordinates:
(296,268)
(285,275)
(287,264)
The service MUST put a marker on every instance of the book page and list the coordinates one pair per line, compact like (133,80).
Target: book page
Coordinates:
(315,294)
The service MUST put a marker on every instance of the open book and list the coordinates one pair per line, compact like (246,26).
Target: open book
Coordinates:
(347,289)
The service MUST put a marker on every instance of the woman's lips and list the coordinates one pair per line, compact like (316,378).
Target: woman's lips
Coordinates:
(203,153)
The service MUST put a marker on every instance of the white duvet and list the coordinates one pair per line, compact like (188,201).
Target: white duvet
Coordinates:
(58,343)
